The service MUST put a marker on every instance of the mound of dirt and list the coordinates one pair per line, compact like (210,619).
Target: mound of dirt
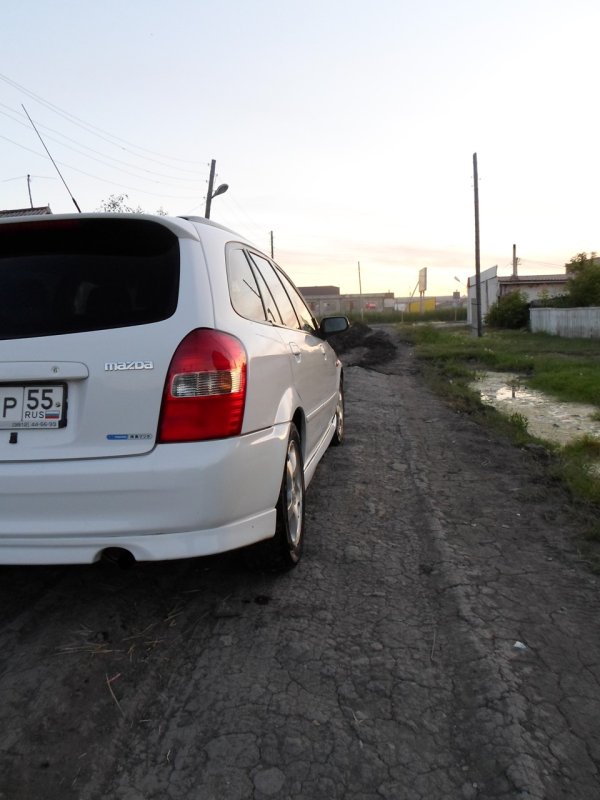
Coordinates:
(362,346)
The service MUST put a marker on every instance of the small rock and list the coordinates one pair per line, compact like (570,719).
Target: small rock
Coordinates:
(269,781)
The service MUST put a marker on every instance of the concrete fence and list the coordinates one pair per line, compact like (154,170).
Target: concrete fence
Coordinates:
(572,323)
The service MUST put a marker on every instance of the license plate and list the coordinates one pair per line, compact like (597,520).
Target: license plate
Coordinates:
(33,406)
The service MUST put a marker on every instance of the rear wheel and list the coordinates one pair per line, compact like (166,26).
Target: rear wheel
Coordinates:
(338,435)
(284,550)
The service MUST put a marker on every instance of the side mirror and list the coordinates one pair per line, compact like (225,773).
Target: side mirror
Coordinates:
(331,325)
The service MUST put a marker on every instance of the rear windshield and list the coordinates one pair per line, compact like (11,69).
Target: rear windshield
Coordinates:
(67,276)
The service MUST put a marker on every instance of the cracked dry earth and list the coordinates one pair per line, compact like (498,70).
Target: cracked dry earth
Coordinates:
(383,667)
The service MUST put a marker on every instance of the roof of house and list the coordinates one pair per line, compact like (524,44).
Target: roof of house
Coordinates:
(25,212)
(312,291)
(534,279)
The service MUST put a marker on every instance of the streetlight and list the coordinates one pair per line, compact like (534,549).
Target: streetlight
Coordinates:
(221,189)
(462,283)
(455,302)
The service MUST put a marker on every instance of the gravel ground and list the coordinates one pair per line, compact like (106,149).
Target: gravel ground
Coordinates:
(440,638)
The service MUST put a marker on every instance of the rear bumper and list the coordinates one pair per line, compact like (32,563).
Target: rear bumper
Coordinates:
(178,501)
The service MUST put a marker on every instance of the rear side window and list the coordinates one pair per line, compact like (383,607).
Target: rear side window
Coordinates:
(243,289)
(69,276)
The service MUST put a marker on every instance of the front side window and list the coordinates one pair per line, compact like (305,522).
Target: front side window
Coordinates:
(271,309)
(69,276)
(307,321)
(278,293)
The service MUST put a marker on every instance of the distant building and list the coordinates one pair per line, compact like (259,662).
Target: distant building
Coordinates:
(534,287)
(493,287)
(25,212)
(327,300)
(320,291)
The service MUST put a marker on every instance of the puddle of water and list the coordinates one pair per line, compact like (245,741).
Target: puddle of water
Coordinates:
(547,418)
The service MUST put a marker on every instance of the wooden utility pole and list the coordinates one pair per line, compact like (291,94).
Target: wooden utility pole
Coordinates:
(209,194)
(362,312)
(221,189)
(515,261)
(477,251)
(272,251)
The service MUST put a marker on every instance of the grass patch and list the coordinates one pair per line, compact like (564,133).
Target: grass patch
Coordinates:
(580,468)
(520,424)
(442,314)
(567,369)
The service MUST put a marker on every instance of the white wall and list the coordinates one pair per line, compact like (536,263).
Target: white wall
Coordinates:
(488,280)
(572,323)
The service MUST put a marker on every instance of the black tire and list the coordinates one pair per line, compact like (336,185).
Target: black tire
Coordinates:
(340,418)
(284,550)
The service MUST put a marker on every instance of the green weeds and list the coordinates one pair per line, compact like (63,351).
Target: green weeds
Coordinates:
(567,369)
(443,314)
(580,468)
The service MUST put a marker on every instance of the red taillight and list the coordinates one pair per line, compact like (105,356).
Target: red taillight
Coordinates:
(205,390)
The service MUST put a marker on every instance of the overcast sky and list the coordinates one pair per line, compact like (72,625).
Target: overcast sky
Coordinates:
(347,128)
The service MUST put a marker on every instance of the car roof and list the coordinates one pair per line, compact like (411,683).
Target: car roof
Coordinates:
(183,226)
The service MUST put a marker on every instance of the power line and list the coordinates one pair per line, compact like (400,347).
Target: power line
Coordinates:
(20,178)
(541,263)
(104,155)
(230,200)
(93,129)
(111,166)
(98,178)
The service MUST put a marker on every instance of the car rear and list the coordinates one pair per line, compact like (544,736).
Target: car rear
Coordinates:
(122,404)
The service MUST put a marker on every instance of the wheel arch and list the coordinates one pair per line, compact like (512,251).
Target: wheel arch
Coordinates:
(299,421)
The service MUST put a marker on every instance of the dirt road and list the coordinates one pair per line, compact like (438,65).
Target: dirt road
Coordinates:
(439,640)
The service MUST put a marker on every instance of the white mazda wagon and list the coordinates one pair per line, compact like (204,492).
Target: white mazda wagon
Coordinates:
(165,392)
